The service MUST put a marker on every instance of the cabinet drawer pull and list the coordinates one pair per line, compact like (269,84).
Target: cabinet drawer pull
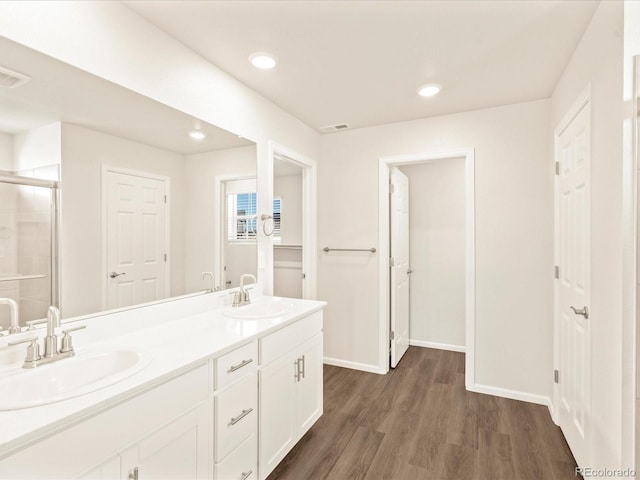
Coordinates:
(133,474)
(246,475)
(304,365)
(241,416)
(240,365)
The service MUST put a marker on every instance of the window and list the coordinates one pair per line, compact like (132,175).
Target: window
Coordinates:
(276,220)
(241,216)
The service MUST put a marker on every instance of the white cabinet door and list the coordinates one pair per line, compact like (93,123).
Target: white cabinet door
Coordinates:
(176,451)
(108,470)
(309,386)
(277,412)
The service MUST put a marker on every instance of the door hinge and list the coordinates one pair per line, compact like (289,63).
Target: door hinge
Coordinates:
(392,262)
(556,271)
(392,188)
(392,335)
(165,257)
(165,199)
(557,168)
(556,376)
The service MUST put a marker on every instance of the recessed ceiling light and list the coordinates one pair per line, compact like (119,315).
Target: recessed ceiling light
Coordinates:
(197,135)
(263,61)
(429,90)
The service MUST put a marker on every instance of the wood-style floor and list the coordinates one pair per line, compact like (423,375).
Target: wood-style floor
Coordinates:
(419,422)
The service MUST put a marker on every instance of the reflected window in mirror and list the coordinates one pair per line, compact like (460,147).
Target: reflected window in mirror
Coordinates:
(241,217)
(277,208)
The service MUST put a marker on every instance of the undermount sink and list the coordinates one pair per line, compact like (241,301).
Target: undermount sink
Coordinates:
(260,308)
(71,377)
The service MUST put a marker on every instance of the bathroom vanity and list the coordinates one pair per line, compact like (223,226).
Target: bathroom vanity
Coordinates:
(226,394)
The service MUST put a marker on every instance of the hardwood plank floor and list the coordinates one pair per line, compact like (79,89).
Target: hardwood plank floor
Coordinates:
(418,422)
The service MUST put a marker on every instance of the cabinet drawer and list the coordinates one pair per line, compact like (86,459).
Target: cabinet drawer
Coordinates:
(280,342)
(236,415)
(235,365)
(241,464)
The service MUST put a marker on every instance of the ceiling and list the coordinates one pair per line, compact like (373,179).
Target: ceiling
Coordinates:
(59,92)
(360,62)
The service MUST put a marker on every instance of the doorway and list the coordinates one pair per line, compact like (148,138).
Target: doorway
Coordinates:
(294,215)
(135,237)
(390,275)
(288,249)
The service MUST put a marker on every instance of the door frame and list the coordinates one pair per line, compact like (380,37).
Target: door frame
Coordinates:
(167,226)
(384,251)
(309,215)
(583,101)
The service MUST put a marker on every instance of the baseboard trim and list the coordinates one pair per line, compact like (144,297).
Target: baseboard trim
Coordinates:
(512,394)
(364,367)
(439,346)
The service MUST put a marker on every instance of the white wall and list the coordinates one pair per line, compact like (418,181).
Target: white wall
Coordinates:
(287,271)
(112,42)
(598,61)
(514,237)
(84,151)
(201,209)
(6,152)
(37,148)
(437,252)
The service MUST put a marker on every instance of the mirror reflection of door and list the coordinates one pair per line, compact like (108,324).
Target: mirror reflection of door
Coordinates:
(239,245)
(136,238)
(287,238)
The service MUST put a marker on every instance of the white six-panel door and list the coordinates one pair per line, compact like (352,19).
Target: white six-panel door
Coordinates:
(574,285)
(136,266)
(399,221)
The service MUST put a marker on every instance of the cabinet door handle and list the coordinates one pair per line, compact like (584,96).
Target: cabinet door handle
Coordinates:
(133,474)
(246,475)
(240,365)
(241,416)
(296,364)
(304,364)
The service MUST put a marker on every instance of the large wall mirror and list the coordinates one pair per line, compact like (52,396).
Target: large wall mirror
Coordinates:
(149,197)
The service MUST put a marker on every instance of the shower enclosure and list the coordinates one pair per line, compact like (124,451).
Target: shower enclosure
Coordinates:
(28,246)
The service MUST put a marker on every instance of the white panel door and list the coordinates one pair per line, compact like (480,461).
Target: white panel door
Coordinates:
(399,221)
(135,240)
(574,283)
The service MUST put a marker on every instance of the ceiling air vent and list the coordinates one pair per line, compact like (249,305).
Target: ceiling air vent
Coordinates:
(11,79)
(334,128)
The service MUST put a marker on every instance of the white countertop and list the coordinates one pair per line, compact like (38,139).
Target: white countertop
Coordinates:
(176,345)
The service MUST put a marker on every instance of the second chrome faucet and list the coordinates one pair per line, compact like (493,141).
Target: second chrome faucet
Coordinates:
(241,297)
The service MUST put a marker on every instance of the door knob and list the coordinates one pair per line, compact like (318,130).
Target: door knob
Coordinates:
(581,311)
(114,274)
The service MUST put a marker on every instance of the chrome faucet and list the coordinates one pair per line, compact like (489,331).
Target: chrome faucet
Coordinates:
(51,341)
(13,306)
(212,281)
(51,352)
(241,297)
